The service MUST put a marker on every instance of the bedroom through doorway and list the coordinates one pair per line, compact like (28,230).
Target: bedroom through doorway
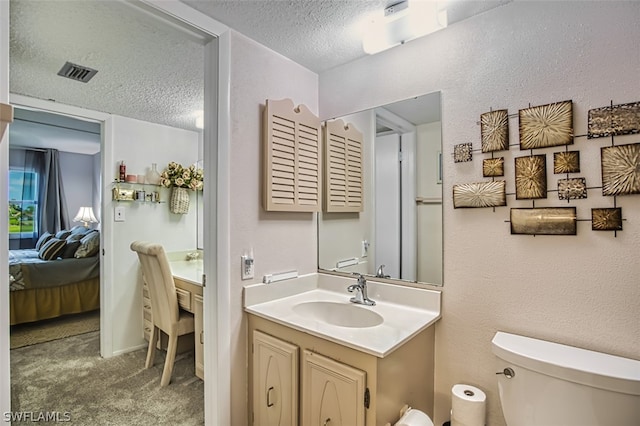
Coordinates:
(54,230)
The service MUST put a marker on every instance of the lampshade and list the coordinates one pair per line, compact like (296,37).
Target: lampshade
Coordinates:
(85,215)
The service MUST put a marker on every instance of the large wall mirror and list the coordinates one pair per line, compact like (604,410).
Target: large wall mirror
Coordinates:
(398,235)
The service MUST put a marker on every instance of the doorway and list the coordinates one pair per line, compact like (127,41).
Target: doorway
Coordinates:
(216,127)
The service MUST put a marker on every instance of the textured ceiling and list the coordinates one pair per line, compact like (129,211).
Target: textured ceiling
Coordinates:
(319,34)
(153,71)
(146,69)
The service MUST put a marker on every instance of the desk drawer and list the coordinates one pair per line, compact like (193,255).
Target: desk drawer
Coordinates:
(184,299)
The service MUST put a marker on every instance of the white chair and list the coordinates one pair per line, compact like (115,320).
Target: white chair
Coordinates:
(165,311)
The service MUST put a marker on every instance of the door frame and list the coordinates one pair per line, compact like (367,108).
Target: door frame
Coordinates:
(216,211)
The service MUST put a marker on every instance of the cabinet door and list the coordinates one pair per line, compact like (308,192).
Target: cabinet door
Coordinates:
(199,334)
(332,392)
(275,381)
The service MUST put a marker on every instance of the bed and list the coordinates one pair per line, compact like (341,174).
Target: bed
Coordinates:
(60,276)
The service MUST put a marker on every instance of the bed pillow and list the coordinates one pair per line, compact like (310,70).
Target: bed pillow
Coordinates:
(74,237)
(51,249)
(43,239)
(89,245)
(62,235)
(80,230)
(70,249)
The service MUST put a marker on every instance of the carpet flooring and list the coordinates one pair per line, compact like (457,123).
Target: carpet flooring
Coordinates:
(68,377)
(54,329)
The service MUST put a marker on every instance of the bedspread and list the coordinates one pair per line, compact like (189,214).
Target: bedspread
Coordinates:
(28,271)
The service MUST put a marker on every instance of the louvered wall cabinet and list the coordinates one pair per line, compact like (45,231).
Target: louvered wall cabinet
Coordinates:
(343,168)
(292,158)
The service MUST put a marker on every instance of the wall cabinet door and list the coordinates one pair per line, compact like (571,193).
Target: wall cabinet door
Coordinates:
(332,392)
(275,381)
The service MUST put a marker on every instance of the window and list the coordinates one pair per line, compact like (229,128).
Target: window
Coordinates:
(23,203)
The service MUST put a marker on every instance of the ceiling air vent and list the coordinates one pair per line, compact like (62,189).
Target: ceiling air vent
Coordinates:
(77,72)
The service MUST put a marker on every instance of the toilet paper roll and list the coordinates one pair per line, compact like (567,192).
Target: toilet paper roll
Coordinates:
(414,417)
(468,406)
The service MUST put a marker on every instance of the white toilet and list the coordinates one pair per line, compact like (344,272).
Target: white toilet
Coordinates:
(544,383)
(412,417)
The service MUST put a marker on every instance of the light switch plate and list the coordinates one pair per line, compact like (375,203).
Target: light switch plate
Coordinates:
(119,216)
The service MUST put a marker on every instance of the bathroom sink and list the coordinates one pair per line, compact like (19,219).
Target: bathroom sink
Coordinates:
(340,314)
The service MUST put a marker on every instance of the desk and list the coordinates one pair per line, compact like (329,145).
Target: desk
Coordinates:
(187,276)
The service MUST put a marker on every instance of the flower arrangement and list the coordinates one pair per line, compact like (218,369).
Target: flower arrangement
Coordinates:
(175,175)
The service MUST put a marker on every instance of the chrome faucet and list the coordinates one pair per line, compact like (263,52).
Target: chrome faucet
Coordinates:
(361,291)
(380,273)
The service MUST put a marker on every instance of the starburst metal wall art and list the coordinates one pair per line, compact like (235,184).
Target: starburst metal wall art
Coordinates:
(494,130)
(462,153)
(480,194)
(571,189)
(546,125)
(544,221)
(607,219)
(531,177)
(566,162)
(614,120)
(620,169)
(492,167)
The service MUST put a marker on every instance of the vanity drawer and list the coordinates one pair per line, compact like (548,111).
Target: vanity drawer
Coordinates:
(184,299)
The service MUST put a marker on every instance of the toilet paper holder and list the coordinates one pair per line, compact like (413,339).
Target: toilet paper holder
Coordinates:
(508,372)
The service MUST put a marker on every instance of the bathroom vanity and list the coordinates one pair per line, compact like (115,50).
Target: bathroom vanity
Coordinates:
(318,359)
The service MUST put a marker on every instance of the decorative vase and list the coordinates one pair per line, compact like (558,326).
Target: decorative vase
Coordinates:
(153,177)
(179,200)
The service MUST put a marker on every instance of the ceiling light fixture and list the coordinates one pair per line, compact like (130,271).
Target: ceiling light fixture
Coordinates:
(403,22)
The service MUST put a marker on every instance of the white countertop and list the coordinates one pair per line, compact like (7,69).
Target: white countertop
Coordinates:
(188,270)
(406,311)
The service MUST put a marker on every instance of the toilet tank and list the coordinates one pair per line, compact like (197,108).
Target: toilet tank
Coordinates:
(561,385)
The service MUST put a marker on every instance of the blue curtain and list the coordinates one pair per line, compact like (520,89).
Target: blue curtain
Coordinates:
(51,212)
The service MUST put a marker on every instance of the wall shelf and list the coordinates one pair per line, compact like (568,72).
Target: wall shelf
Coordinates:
(129,191)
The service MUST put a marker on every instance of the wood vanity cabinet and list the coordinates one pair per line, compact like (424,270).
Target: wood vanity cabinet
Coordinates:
(345,385)
(275,389)
(189,299)
(198,311)
(333,393)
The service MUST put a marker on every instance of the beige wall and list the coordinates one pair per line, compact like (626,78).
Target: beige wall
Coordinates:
(280,241)
(581,290)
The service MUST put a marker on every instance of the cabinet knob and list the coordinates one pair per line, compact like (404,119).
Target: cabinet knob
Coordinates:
(326,422)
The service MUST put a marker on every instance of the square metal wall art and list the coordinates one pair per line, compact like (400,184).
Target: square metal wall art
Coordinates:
(566,162)
(570,189)
(494,130)
(620,169)
(492,167)
(546,125)
(480,194)
(614,120)
(544,221)
(462,153)
(531,177)
(607,219)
